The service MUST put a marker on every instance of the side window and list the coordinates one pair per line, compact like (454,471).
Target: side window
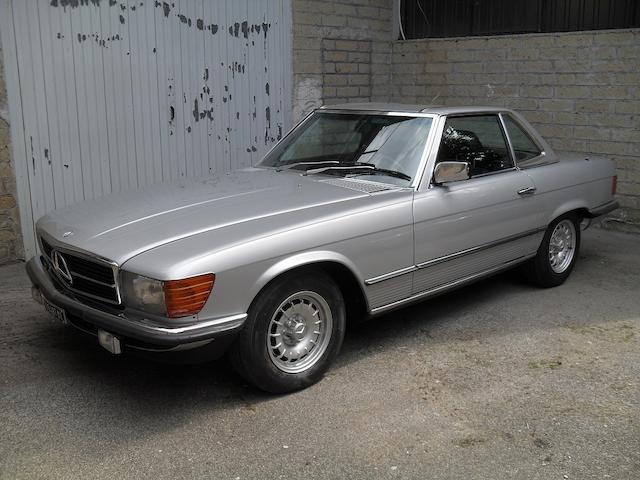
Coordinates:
(476,139)
(524,148)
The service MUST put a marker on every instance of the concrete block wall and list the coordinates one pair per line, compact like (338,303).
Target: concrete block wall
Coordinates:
(341,52)
(10,235)
(581,90)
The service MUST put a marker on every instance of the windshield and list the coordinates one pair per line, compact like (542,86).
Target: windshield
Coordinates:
(383,148)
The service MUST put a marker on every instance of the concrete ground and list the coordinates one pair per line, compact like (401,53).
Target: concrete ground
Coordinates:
(497,380)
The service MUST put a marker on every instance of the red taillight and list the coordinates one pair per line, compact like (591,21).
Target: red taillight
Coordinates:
(188,296)
(614,184)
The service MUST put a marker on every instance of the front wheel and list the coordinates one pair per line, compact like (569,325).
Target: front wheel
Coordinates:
(557,253)
(292,334)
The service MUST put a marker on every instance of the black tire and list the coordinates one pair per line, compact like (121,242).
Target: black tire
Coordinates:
(250,355)
(539,270)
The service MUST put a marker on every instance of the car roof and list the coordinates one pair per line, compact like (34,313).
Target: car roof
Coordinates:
(409,108)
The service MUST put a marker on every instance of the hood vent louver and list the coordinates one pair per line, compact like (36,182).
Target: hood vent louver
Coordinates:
(360,186)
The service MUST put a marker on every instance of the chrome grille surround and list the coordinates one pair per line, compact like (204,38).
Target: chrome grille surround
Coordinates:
(91,276)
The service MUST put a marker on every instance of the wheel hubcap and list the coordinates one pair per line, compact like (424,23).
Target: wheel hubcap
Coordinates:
(294,330)
(299,332)
(562,246)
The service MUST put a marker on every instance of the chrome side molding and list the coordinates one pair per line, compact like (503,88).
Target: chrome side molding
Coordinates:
(452,256)
(479,248)
(390,275)
(447,286)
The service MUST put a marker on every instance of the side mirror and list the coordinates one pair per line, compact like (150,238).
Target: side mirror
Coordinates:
(450,172)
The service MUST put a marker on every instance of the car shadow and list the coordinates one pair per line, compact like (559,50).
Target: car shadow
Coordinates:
(164,386)
(216,380)
(89,387)
(141,395)
(443,312)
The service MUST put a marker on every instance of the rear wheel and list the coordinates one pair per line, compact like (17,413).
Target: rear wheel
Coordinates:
(557,254)
(292,334)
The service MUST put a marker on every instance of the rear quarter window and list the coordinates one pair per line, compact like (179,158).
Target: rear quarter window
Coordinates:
(523,146)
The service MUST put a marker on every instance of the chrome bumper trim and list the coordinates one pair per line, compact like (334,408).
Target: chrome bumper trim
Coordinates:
(226,323)
(119,324)
(603,209)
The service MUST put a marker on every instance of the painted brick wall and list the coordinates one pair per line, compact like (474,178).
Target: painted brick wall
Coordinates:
(581,90)
(10,236)
(341,52)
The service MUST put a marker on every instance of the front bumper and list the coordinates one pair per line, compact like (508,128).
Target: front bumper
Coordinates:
(134,333)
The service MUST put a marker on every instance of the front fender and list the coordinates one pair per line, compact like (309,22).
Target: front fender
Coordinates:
(236,288)
(301,260)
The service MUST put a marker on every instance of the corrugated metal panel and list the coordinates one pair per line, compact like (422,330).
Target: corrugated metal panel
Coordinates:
(107,95)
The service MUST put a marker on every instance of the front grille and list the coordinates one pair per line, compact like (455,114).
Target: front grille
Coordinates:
(85,285)
(92,278)
(92,271)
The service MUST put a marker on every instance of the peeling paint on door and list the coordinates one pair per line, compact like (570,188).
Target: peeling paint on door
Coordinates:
(117,94)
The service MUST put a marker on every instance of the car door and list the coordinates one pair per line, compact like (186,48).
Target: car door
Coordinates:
(467,228)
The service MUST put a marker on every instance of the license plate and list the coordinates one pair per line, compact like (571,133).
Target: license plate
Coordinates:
(57,313)
(110,342)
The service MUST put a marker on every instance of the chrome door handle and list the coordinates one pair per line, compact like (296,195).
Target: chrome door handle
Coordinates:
(527,191)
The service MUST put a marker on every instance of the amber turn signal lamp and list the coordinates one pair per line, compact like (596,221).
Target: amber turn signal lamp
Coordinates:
(614,184)
(187,296)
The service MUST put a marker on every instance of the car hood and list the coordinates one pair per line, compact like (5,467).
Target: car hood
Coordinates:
(120,226)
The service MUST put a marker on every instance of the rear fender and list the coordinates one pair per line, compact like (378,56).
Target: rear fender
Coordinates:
(566,207)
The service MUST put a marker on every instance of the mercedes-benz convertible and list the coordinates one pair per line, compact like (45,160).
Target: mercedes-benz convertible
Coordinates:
(359,210)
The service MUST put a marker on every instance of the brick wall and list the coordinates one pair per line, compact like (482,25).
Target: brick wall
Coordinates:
(341,52)
(10,236)
(581,90)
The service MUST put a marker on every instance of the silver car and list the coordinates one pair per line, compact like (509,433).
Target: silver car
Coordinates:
(360,209)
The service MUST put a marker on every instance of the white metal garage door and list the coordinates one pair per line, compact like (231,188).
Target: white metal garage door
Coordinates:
(106,95)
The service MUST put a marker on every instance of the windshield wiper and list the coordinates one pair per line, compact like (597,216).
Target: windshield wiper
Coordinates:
(289,166)
(386,171)
(367,169)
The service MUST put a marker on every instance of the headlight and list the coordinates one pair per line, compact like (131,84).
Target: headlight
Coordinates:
(143,293)
(171,298)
